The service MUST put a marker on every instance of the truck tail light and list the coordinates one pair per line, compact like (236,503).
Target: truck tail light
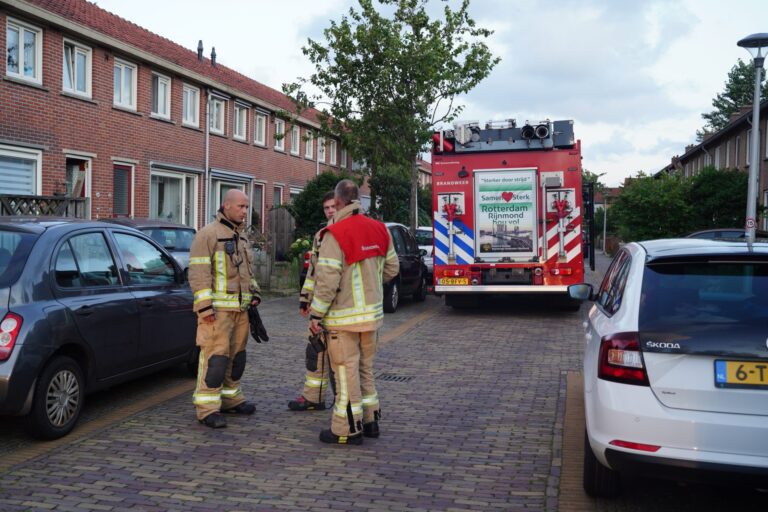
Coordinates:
(620,359)
(9,331)
(538,276)
(562,271)
(453,272)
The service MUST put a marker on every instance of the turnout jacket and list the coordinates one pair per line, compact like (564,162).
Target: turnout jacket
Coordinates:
(355,258)
(305,296)
(220,269)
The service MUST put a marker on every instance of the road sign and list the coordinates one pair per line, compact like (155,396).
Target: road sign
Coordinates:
(751,223)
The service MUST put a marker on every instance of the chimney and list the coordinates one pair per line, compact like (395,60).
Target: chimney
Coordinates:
(200,50)
(213,55)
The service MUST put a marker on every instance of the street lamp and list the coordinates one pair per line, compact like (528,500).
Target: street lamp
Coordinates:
(756,45)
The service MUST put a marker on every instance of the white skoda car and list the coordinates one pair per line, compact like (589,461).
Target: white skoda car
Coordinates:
(676,365)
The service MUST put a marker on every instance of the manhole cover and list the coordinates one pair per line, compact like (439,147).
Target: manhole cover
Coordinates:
(391,377)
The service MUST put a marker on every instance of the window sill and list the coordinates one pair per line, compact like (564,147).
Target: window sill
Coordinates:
(28,83)
(80,97)
(279,150)
(127,110)
(192,127)
(309,158)
(218,134)
(241,141)
(161,119)
(295,155)
(260,145)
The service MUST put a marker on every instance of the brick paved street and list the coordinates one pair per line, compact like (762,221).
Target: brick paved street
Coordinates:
(473,405)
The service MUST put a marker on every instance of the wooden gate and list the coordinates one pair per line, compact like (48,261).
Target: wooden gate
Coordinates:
(281,231)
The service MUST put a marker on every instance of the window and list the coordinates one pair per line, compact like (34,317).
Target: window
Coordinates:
(280,134)
(277,197)
(122,197)
(309,144)
(218,113)
(21,170)
(24,51)
(125,85)
(728,155)
(77,69)
(398,241)
(321,149)
(687,170)
(85,261)
(161,96)
(241,121)
(343,162)
(219,188)
(172,196)
(257,216)
(294,191)
(259,134)
(295,137)
(612,288)
(145,263)
(332,150)
(190,115)
(365,203)
(717,157)
(736,156)
(748,156)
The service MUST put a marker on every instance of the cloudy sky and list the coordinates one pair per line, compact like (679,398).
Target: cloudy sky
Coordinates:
(634,75)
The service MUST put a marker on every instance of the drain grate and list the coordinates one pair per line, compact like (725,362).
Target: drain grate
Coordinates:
(391,377)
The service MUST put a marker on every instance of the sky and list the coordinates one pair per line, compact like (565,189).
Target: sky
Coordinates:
(635,76)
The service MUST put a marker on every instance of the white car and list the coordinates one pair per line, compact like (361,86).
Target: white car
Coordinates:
(424,239)
(676,365)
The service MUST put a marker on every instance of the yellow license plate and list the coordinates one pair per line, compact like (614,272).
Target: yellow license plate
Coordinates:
(453,280)
(740,374)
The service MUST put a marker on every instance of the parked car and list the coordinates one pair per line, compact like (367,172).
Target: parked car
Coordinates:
(727,234)
(676,365)
(176,238)
(412,279)
(83,306)
(426,244)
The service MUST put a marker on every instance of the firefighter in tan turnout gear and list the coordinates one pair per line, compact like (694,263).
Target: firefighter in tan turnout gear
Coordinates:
(221,277)
(356,257)
(312,397)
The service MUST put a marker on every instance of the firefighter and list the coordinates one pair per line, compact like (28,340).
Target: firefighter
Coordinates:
(221,277)
(312,397)
(356,257)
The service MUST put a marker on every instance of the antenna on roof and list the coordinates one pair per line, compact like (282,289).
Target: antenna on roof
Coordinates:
(213,55)
(200,50)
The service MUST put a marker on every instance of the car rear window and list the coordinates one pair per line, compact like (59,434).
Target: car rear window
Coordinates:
(14,250)
(704,292)
(423,237)
(170,238)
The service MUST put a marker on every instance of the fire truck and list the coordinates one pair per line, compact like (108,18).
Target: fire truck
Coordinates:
(510,214)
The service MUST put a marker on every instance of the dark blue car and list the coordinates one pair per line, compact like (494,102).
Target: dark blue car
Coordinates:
(83,306)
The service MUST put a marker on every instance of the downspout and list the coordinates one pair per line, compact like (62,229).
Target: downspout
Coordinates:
(207,201)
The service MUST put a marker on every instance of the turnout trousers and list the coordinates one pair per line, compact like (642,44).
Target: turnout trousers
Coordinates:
(352,355)
(222,362)
(316,383)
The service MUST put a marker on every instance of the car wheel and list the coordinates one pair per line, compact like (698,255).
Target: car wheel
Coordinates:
(598,480)
(391,297)
(58,399)
(194,362)
(420,295)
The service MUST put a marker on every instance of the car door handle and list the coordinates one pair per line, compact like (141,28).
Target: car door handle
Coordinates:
(147,303)
(85,310)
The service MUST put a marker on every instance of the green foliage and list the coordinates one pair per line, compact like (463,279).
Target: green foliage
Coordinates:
(591,177)
(599,220)
(738,93)
(307,207)
(671,206)
(387,79)
(391,187)
(298,248)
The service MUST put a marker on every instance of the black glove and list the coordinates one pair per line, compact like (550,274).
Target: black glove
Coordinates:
(258,331)
(315,346)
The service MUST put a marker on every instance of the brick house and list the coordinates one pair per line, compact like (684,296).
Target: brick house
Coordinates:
(729,148)
(95,107)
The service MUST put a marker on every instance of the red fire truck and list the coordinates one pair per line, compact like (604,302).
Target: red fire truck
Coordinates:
(508,210)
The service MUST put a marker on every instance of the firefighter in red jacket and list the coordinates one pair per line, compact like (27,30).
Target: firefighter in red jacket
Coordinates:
(356,258)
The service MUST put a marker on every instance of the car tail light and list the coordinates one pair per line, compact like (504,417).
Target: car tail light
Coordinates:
(621,359)
(538,275)
(635,446)
(9,331)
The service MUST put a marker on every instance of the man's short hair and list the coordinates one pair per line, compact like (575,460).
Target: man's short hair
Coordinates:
(329,196)
(347,191)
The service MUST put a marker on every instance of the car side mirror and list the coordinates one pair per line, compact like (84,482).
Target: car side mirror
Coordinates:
(582,291)
(423,252)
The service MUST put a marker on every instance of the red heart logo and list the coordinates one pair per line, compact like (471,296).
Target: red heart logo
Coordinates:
(507,196)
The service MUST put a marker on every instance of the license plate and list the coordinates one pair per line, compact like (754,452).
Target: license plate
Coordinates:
(453,280)
(741,374)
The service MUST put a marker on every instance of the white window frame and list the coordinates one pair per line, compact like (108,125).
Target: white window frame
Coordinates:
(343,160)
(717,157)
(728,154)
(122,64)
(260,120)
(240,122)
(183,176)
(332,150)
(292,191)
(78,48)
(28,154)
(279,130)
(321,149)
(168,82)
(295,139)
(687,170)
(263,202)
(218,128)
(282,189)
(309,144)
(21,27)
(187,119)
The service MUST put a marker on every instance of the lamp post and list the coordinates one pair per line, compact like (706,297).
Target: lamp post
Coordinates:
(756,45)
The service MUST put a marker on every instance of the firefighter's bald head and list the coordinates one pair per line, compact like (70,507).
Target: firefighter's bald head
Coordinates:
(346,192)
(235,205)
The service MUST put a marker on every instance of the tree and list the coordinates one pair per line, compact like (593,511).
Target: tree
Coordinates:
(307,207)
(717,198)
(738,93)
(387,80)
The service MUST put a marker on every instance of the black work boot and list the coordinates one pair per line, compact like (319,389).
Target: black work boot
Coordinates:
(214,420)
(246,408)
(327,436)
(371,429)
(302,404)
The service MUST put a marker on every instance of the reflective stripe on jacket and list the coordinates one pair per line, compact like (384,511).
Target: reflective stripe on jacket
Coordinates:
(220,280)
